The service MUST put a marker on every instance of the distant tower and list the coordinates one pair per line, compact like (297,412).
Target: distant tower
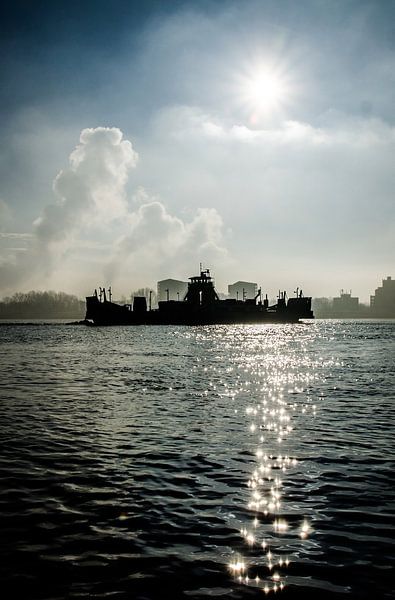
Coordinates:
(382,304)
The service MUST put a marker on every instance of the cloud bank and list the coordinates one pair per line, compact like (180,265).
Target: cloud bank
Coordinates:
(91,203)
(92,188)
(158,242)
(313,189)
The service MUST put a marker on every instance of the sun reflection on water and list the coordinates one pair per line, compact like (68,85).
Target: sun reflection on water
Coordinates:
(276,388)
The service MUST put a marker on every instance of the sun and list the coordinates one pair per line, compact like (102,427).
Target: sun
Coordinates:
(265,90)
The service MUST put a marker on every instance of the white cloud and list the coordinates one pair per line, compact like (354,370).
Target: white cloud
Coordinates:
(91,194)
(92,188)
(192,124)
(158,242)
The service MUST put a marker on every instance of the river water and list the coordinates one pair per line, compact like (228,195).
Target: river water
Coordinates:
(221,461)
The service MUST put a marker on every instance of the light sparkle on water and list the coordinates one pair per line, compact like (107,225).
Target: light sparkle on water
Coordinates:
(272,413)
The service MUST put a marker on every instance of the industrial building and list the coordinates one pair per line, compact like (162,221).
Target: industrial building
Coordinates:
(241,290)
(345,305)
(171,289)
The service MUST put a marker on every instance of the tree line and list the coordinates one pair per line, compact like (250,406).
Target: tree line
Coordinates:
(42,305)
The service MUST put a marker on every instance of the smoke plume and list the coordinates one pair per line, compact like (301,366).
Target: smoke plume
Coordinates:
(91,212)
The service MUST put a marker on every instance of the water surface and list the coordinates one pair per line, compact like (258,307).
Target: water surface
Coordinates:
(218,461)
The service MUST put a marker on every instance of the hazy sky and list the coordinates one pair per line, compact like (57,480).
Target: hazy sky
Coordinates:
(142,138)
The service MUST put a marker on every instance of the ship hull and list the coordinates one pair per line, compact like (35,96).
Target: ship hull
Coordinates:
(109,313)
(201,306)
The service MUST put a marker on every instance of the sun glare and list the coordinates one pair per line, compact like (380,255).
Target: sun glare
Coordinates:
(265,90)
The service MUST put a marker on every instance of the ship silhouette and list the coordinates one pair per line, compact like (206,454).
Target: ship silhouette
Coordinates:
(201,305)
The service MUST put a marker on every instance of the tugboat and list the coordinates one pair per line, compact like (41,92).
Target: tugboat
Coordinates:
(200,306)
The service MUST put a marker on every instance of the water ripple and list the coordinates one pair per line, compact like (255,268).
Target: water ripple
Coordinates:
(179,462)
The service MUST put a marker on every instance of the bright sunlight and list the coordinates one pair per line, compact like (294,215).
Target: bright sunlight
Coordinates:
(265,90)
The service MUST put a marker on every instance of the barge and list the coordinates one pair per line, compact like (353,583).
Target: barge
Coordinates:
(201,305)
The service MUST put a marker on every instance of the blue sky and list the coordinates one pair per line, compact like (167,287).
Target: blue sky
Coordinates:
(255,137)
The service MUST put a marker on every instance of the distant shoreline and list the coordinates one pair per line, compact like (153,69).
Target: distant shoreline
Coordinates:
(78,321)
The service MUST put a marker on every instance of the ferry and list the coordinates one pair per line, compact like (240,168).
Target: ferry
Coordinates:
(201,305)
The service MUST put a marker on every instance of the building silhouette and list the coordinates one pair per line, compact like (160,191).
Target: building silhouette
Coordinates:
(323,307)
(241,290)
(382,304)
(345,305)
(171,289)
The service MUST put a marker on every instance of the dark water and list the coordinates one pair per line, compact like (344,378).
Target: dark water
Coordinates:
(171,462)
